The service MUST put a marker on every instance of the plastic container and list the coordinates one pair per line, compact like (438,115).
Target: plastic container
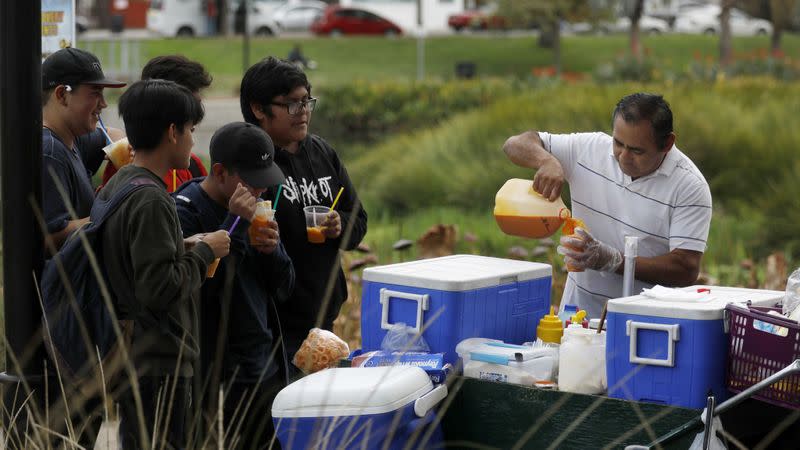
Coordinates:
(550,328)
(762,344)
(453,298)
(506,363)
(673,350)
(521,211)
(366,407)
(582,361)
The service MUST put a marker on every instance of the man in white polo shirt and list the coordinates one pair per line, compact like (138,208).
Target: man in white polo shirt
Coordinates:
(634,183)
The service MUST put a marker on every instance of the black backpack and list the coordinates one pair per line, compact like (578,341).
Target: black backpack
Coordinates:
(78,325)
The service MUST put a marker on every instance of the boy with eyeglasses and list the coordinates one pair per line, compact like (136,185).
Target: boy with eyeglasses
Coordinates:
(276,96)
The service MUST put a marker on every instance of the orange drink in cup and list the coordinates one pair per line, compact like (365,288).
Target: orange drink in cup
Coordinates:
(315,216)
(212,268)
(118,153)
(264,213)
(570,223)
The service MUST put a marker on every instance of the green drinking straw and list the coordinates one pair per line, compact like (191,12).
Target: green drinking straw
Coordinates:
(277,197)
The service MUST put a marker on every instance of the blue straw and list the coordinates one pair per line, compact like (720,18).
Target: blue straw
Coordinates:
(233,227)
(277,197)
(103,129)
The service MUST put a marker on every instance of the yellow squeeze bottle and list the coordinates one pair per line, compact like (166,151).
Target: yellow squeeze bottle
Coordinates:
(550,328)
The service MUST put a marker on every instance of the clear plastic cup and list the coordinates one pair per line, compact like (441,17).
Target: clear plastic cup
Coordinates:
(315,216)
(264,214)
(118,153)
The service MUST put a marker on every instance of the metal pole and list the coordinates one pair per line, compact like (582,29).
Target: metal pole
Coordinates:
(246,38)
(420,43)
(21,167)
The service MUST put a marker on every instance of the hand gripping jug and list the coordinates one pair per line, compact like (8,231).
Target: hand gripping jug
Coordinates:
(521,211)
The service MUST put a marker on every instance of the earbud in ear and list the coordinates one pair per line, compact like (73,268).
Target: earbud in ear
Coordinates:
(68,88)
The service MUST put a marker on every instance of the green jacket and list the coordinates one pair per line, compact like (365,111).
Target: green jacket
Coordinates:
(155,281)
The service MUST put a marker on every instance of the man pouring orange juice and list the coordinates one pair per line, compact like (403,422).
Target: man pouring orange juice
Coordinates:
(634,182)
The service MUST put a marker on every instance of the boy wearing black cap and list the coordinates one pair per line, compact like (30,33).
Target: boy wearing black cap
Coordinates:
(153,276)
(237,337)
(72,84)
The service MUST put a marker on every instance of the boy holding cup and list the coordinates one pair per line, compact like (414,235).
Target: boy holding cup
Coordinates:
(238,336)
(276,96)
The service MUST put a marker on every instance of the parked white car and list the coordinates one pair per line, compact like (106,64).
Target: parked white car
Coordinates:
(259,22)
(182,18)
(298,16)
(647,25)
(705,20)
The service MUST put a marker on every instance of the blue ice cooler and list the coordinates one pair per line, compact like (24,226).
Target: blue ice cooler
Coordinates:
(673,350)
(359,407)
(455,297)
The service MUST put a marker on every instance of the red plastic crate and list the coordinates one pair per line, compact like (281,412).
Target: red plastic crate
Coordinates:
(755,354)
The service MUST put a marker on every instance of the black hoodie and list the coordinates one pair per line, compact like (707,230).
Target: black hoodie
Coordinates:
(314,175)
(250,337)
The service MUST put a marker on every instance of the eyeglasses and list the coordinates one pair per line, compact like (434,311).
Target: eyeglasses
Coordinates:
(295,108)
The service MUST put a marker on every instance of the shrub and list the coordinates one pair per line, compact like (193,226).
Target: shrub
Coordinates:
(363,112)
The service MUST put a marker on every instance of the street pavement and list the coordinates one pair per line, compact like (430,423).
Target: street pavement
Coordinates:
(219,111)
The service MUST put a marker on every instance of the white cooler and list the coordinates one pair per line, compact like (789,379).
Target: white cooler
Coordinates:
(359,407)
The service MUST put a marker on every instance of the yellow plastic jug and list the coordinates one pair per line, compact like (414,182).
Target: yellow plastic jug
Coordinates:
(521,211)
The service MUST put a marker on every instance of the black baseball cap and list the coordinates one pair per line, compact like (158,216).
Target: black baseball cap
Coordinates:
(249,150)
(73,66)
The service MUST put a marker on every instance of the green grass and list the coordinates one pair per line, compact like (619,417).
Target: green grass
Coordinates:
(342,60)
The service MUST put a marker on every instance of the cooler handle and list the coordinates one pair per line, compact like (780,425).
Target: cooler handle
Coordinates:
(425,403)
(673,336)
(386,295)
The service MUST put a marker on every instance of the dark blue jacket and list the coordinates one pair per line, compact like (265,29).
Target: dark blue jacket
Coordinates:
(245,282)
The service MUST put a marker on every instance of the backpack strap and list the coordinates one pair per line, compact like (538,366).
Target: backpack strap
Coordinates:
(102,209)
(194,169)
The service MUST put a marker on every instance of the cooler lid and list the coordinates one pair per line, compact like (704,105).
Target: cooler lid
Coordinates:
(352,391)
(458,272)
(693,302)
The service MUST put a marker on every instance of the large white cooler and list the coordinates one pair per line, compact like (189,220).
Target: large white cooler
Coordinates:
(359,407)
(673,351)
(455,297)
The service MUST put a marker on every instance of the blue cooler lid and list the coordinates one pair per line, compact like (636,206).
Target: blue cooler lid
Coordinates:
(351,391)
(693,302)
(458,272)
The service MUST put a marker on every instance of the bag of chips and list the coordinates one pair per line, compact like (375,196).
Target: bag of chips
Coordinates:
(321,350)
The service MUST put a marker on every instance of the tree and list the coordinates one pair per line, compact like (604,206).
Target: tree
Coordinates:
(779,12)
(549,14)
(725,37)
(634,9)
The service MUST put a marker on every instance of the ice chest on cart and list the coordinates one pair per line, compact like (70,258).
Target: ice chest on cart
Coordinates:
(455,297)
(673,350)
(360,407)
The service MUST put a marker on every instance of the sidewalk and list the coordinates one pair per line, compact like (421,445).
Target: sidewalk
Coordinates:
(219,111)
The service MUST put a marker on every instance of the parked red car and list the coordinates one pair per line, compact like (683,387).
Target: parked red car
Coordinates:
(338,20)
(483,18)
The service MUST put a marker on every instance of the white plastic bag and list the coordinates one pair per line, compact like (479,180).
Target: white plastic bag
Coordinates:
(791,301)
(714,443)
(403,338)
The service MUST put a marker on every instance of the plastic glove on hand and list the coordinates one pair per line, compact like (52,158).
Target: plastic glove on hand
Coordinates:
(582,251)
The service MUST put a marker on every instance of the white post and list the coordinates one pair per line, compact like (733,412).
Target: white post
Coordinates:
(631,250)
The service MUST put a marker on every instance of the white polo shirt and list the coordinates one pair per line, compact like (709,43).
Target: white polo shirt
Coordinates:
(668,209)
